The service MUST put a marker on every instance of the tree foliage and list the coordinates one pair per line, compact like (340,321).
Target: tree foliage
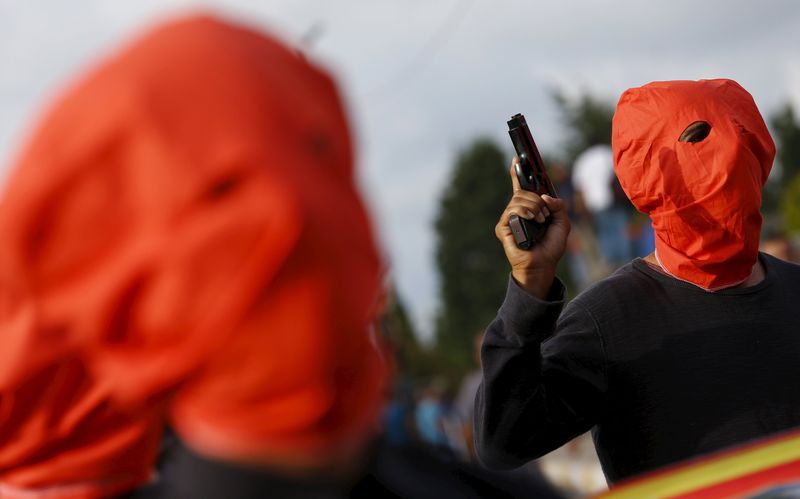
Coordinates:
(790,205)
(587,121)
(472,266)
(411,359)
(787,134)
(781,196)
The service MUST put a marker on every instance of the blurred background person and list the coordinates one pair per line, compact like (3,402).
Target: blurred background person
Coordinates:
(431,415)
(582,245)
(465,402)
(603,201)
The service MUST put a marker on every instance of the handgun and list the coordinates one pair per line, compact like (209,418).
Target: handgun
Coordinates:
(532,177)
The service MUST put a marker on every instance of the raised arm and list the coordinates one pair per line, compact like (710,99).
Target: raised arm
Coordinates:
(536,395)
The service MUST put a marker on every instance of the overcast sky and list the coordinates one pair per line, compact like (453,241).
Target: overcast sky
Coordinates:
(422,78)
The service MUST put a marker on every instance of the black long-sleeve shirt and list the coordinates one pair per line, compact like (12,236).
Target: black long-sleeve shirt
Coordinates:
(658,368)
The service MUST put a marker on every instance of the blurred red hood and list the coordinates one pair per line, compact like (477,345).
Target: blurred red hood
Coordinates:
(182,239)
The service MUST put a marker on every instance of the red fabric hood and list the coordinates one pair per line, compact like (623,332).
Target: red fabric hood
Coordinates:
(182,239)
(704,197)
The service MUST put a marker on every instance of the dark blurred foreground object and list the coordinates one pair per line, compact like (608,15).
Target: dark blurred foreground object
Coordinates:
(391,472)
(766,468)
(181,241)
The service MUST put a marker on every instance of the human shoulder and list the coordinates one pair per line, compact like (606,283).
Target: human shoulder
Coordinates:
(777,262)
(624,293)
(625,280)
(781,271)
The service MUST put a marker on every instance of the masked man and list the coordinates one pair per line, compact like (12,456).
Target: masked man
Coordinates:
(182,243)
(689,350)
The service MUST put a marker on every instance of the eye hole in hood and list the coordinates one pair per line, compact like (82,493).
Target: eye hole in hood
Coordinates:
(696,132)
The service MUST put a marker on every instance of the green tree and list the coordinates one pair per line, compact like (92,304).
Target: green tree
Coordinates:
(587,121)
(790,205)
(778,195)
(413,362)
(472,266)
(787,135)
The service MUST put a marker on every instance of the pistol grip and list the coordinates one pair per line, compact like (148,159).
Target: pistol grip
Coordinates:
(527,233)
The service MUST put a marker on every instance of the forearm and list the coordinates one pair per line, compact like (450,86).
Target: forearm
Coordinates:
(534,399)
(510,405)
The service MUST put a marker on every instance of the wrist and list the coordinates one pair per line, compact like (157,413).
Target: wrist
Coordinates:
(536,282)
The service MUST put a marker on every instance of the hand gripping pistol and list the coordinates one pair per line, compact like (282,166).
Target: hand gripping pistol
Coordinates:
(532,177)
